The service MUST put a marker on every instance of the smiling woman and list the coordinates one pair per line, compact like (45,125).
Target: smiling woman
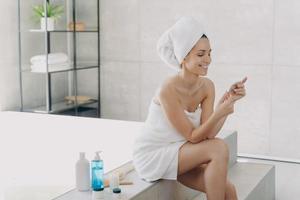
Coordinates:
(178,140)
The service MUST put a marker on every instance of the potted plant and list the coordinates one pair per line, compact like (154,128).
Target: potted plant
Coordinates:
(53,13)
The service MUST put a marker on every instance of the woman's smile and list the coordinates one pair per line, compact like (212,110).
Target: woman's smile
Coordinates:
(204,66)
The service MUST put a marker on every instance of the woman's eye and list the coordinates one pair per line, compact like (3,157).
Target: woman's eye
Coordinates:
(200,55)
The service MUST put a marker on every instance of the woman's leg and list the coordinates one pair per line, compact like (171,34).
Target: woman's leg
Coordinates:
(211,179)
(195,179)
(230,192)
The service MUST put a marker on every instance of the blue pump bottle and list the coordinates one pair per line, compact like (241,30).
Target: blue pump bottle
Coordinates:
(97,173)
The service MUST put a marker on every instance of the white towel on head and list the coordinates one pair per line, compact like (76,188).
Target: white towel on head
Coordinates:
(178,41)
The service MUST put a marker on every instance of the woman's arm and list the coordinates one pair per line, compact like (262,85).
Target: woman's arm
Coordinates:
(237,91)
(207,109)
(217,128)
(177,118)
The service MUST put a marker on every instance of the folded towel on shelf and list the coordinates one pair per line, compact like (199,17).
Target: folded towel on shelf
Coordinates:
(53,58)
(42,67)
(80,99)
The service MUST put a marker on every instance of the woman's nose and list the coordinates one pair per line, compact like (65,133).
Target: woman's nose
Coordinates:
(207,59)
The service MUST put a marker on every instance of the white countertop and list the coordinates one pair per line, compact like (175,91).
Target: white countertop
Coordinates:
(38,152)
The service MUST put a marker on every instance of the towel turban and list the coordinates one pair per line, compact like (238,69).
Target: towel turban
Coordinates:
(177,41)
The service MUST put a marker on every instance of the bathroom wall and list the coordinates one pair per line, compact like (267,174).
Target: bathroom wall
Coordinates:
(9,87)
(255,38)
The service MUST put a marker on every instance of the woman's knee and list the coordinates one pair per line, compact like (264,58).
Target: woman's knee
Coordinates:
(220,150)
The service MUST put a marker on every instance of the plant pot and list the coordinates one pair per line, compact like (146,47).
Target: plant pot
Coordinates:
(50,24)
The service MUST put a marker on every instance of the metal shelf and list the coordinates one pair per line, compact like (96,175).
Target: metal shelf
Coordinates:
(62,106)
(63,31)
(27,69)
(24,67)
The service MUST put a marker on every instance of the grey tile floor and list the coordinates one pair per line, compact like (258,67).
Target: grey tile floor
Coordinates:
(287,178)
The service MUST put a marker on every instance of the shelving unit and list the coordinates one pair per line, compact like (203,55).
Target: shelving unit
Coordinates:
(39,84)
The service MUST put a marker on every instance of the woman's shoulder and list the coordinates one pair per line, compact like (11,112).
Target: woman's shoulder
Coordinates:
(167,88)
(168,85)
(209,84)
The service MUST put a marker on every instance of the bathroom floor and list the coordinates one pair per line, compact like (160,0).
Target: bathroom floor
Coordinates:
(287,178)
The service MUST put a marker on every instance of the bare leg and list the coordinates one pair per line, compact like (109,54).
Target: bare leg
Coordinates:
(214,153)
(195,179)
(230,192)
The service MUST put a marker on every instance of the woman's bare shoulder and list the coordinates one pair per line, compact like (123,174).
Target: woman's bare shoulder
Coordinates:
(209,87)
(208,83)
(167,89)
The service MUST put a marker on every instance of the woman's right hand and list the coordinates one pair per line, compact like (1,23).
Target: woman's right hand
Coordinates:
(225,106)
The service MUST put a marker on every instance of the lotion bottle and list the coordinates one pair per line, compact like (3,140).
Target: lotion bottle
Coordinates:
(82,173)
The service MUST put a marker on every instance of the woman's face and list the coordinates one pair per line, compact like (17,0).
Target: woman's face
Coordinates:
(198,59)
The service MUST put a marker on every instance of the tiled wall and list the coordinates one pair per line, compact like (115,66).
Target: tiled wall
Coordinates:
(9,98)
(255,38)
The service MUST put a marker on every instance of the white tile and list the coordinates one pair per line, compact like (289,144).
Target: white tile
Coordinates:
(244,35)
(119,30)
(252,113)
(286,33)
(9,87)
(152,27)
(285,129)
(120,91)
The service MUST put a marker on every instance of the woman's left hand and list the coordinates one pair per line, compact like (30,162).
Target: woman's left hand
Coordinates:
(237,90)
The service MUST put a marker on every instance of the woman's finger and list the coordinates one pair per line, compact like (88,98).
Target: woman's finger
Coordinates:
(244,79)
(242,93)
(240,85)
(239,90)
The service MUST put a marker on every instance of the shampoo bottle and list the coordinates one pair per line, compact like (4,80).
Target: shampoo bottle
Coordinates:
(97,173)
(82,173)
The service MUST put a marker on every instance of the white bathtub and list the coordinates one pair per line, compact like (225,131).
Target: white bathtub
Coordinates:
(38,151)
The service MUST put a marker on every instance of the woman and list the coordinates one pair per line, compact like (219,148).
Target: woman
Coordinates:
(178,140)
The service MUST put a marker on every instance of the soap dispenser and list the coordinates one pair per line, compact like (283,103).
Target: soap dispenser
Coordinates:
(97,173)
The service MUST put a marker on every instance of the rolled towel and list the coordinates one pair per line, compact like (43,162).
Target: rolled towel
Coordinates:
(41,68)
(53,58)
(178,40)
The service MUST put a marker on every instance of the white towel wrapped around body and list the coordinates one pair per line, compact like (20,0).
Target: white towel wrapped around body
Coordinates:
(155,153)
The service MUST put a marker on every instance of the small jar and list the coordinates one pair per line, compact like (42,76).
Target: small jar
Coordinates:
(117,193)
(113,181)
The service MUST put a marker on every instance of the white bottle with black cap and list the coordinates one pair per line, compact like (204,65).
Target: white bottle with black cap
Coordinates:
(83,173)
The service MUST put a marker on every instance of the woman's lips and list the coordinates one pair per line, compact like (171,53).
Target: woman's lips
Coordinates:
(203,66)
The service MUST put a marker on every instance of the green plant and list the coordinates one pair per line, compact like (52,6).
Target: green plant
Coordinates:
(53,11)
